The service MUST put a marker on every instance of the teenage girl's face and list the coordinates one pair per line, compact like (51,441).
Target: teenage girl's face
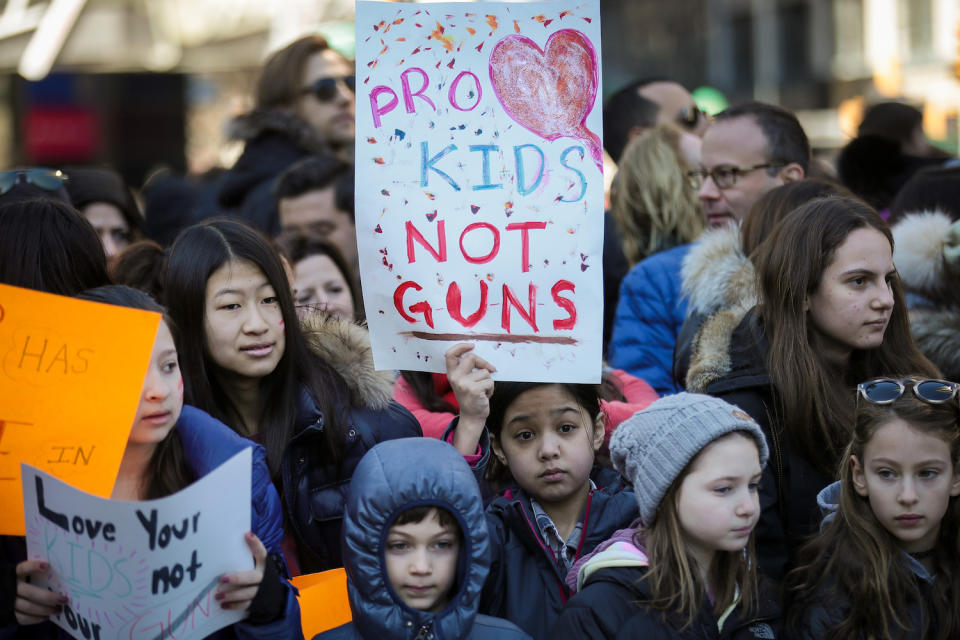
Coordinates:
(908,478)
(242,321)
(548,443)
(319,282)
(161,398)
(852,305)
(718,502)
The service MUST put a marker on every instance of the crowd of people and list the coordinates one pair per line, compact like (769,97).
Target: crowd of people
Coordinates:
(773,452)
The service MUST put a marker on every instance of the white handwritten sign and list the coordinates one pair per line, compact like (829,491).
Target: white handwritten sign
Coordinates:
(146,569)
(480,195)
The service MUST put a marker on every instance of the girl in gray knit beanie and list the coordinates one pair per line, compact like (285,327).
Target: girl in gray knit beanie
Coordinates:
(695,463)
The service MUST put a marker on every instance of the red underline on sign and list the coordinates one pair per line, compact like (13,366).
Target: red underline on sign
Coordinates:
(489,337)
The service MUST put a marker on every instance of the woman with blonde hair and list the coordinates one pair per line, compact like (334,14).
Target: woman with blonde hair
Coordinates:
(654,204)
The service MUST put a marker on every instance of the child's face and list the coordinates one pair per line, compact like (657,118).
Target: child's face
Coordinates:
(718,503)
(161,398)
(421,561)
(908,478)
(242,323)
(548,442)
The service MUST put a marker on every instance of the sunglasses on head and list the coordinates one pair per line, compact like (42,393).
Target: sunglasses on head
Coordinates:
(888,390)
(325,89)
(689,117)
(46,179)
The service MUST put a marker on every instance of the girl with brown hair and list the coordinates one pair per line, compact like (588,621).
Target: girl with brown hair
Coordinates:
(831,313)
(886,562)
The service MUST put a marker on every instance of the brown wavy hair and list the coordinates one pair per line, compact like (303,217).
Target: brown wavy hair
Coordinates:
(856,560)
(677,590)
(653,201)
(814,398)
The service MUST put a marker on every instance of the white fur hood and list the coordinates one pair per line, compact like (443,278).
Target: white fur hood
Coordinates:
(716,274)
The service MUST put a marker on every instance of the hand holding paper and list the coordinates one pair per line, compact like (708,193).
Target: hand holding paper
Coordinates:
(35,604)
(237,590)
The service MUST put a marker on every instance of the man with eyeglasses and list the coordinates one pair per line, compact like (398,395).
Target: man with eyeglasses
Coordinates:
(748,150)
(304,106)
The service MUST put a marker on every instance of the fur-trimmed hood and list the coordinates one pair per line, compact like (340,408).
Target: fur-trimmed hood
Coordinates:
(716,274)
(937,332)
(927,253)
(258,122)
(345,346)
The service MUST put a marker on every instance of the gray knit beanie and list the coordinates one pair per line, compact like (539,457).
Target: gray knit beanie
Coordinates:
(653,446)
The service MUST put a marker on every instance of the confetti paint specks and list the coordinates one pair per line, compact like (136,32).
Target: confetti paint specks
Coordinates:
(379,160)
(474,208)
(384,192)
(371,140)
(429,195)
(492,22)
(432,216)
(378,229)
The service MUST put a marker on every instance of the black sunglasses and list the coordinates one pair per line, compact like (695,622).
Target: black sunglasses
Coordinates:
(46,179)
(325,89)
(888,390)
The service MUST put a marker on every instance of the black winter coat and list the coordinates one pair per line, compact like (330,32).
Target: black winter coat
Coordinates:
(314,491)
(525,586)
(790,483)
(609,606)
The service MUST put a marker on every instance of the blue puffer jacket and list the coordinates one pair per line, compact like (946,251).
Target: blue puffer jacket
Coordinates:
(314,491)
(208,443)
(386,483)
(650,313)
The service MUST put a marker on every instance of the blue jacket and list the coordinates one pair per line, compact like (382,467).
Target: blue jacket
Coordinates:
(650,313)
(314,491)
(208,443)
(385,484)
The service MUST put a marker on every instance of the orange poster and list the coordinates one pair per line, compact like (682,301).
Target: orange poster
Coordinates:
(323,601)
(70,378)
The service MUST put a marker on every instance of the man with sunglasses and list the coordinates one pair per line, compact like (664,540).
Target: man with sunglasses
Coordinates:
(304,107)
(748,150)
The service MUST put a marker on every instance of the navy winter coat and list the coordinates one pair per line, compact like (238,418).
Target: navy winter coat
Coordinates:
(392,478)
(608,606)
(650,313)
(314,491)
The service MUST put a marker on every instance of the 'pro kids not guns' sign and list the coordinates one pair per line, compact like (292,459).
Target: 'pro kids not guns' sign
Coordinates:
(479,175)
(145,569)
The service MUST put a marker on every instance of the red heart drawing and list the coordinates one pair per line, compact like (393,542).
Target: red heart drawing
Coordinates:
(550,93)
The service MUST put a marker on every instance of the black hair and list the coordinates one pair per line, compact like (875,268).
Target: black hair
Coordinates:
(298,246)
(931,189)
(168,468)
(312,173)
(623,111)
(417,515)
(196,254)
(45,244)
(140,266)
(786,140)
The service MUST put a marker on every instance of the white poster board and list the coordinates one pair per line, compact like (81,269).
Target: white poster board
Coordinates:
(479,184)
(141,569)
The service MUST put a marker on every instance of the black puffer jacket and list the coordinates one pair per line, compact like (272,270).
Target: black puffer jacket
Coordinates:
(525,586)
(737,372)
(610,606)
(313,490)
(386,484)
(274,141)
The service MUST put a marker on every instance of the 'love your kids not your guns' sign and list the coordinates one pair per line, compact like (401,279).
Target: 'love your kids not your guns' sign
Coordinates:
(480,192)
(70,378)
(141,569)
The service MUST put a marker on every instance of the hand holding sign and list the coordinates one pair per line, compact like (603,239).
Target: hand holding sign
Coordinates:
(549,92)
(35,604)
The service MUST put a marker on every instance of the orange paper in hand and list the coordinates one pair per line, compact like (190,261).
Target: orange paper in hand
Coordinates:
(70,378)
(323,601)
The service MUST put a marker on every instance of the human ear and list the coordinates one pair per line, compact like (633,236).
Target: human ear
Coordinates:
(857,475)
(498,451)
(792,172)
(599,430)
(955,483)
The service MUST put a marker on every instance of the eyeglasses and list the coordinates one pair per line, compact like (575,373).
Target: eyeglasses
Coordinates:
(325,89)
(724,176)
(888,390)
(689,117)
(46,179)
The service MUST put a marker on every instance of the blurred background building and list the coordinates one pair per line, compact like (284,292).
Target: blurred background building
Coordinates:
(141,83)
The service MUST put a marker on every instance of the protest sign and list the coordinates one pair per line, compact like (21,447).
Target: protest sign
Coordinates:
(145,569)
(323,601)
(70,378)
(479,184)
